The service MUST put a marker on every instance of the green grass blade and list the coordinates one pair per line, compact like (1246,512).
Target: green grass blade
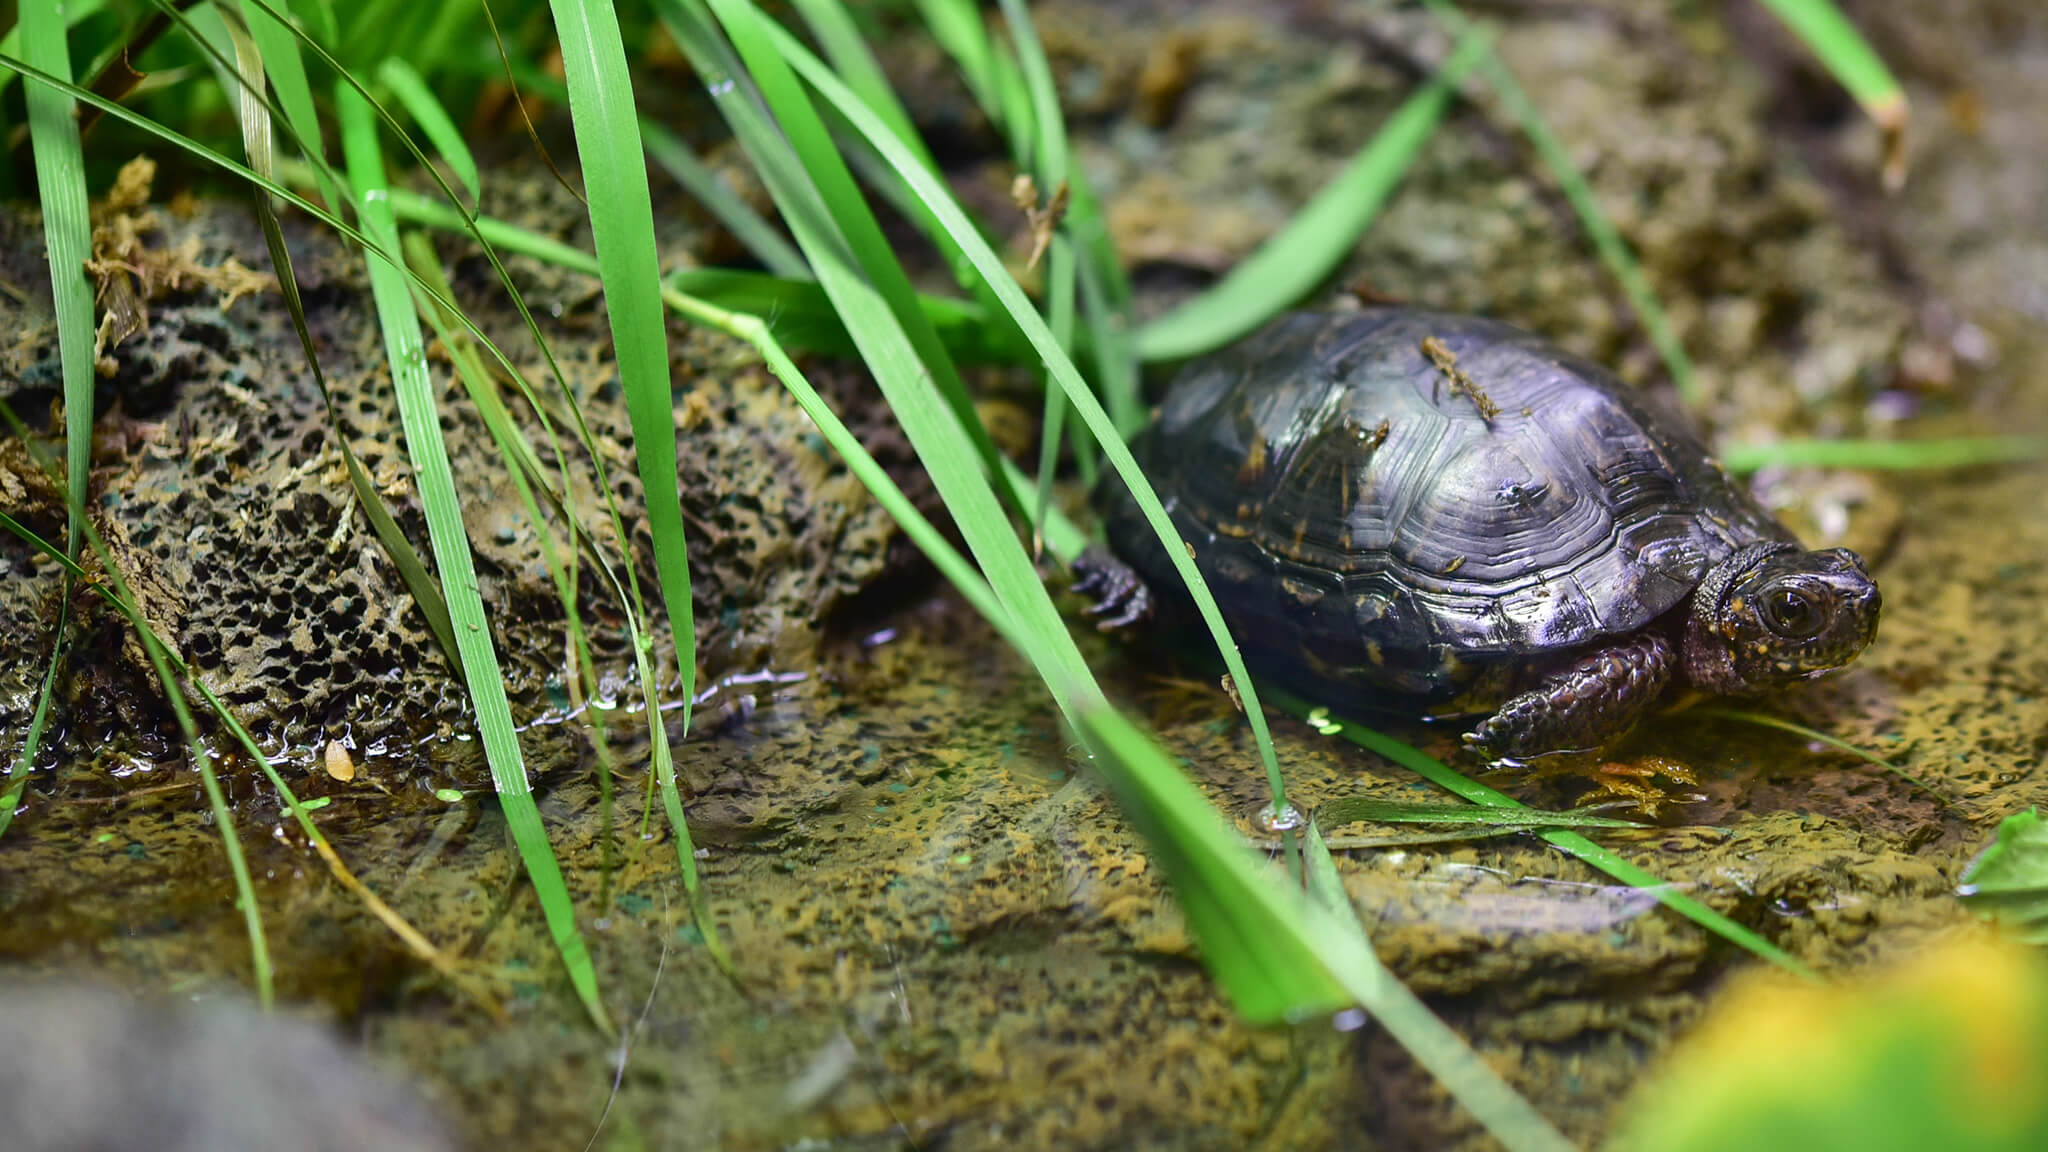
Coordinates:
(1606,861)
(60,184)
(1048,161)
(622,229)
(1013,101)
(802,316)
(318,16)
(1269,964)
(958,28)
(1106,306)
(1846,54)
(1457,834)
(1311,245)
(1322,881)
(942,440)
(1612,250)
(1504,1113)
(60,175)
(833,25)
(1885,455)
(279,49)
(406,353)
(676,158)
(235,54)
(1346,809)
(755,234)
(412,92)
(807,135)
(1048,155)
(445,37)
(372,26)
(1060,366)
(524,470)
(493,233)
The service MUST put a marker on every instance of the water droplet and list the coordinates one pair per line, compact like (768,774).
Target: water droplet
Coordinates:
(1285,818)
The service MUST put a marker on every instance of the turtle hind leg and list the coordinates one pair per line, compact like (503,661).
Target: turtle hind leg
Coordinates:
(1119,594)
(1585,705)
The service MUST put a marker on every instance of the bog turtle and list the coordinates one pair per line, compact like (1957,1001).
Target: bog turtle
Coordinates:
(1397,507)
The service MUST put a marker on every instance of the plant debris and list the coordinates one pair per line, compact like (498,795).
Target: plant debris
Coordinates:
(129,272)
(1446,362)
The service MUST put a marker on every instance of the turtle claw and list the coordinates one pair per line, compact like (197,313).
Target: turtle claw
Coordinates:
(1118,595)
(1632,784)
(1641,784)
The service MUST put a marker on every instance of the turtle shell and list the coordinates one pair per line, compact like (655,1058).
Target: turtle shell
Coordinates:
(1402,498)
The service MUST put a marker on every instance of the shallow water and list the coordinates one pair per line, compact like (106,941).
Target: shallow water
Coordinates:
(943,931)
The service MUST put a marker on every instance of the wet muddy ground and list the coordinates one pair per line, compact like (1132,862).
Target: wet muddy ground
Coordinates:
(944,934)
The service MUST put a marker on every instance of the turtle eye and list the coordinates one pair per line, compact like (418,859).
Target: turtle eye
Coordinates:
(1793,614)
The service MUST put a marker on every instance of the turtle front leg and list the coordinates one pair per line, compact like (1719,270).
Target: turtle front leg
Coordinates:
(1120,596)
(1583,706)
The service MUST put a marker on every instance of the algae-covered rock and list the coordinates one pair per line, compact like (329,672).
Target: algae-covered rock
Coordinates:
(223,497)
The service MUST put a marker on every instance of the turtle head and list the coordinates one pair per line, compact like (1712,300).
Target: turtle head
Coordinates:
(1774,613)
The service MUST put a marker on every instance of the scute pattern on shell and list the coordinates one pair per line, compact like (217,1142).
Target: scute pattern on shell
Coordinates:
(1411,556)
